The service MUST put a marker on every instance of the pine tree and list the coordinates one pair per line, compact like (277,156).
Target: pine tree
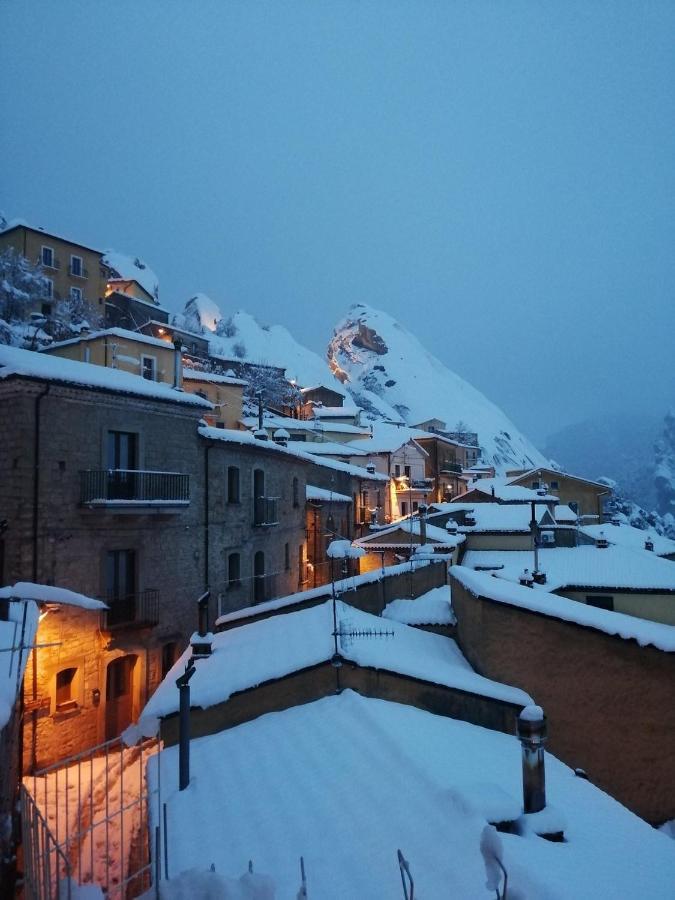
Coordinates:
(22,285)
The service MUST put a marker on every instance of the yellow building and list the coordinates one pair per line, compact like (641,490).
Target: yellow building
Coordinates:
(226,394)
(71,270)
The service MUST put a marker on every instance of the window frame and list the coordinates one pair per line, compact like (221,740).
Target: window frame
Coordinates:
(71,702)
(47,265)
(72,271)
(147,357)
(233,481)
(233,582)
(75,293)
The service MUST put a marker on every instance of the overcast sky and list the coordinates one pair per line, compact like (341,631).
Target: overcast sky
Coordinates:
(498,176)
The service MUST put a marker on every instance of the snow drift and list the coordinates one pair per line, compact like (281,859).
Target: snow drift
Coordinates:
(370,351)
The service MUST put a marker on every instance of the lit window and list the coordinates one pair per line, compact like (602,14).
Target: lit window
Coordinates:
(65,682)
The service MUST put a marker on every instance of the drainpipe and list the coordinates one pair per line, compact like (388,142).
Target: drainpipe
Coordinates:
(206,515)
(531,731)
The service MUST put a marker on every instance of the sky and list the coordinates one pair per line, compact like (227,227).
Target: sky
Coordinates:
(498,176)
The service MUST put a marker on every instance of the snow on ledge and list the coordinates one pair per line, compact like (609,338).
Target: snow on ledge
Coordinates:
(646,633)
(45,593)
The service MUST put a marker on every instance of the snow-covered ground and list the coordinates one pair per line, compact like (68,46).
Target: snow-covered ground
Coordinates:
(432,608)
(346,781)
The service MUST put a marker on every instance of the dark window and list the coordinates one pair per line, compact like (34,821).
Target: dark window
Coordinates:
(600,602)
(406,471)
(168,656)
(397,471)
(48,257)
(46,309)
(120,583)
(148,368)
(75,293)
(233,570)
(415,506)
(121,450)
(233,484)
(259,588)
(76,265)
(555,485)
(296,493)
(258,496)
(49,287)
(65,680)
(287,557)
(574,506)
(404,508)
(535,485)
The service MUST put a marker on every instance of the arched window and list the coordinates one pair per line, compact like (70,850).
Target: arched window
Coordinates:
(259,587)
(296,493)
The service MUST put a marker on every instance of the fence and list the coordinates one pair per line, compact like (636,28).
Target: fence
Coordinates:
(85,821)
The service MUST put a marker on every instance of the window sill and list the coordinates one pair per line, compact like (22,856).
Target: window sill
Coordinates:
(67,711)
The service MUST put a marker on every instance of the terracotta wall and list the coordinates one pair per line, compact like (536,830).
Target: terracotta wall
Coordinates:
(610,703)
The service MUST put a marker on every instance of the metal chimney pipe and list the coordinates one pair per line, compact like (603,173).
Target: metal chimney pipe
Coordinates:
(259,395)
(178,364)
(183,685)
(423,523)
(531,731)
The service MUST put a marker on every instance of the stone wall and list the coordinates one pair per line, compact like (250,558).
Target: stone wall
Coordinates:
(610,703)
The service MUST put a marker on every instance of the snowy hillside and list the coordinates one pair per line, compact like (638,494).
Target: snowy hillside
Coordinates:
(370,350)
(241,336)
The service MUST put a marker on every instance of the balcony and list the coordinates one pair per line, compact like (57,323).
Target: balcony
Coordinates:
(266,511)
(451,468)
(139,610)
(133,488)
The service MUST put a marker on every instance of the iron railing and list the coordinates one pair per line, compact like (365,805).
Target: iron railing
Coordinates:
(266,511)
(104,486)
(141,608)
(451,467)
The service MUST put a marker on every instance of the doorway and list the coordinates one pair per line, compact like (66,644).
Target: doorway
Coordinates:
(119,695)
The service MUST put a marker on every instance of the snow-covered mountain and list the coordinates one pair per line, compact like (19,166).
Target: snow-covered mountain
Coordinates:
(370,351)
(241,336)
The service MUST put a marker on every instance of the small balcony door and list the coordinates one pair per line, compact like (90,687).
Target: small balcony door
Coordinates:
(122,460)
(259,577)
(258,496)
(119,694)
(121,586)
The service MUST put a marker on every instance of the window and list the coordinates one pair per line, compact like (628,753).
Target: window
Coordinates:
(233,570)
(75,293)
(296,493)
(120,584)
(121,450)
(47,257)
(404,508)
(600,602)
(555,485)
(76,267)
(46,309)
(65,683)
(233,484)
(407,471)
(49,287)
(415,506)
(149,368)
(397,471)
(535,485)
(259,579)
(168,656)
(574,506)
(287,557)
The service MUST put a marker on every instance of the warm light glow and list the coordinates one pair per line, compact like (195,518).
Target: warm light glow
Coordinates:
(43,615)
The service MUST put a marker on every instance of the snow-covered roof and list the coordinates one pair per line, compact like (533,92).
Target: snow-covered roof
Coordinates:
(586,566)
(21,223)
(292,448)
(432,608)
(131,268)
(564,514)
(28,364)
(554,475)
(495,587)
(12,658)
(271,648)
(633,538)
(438,537)
(332,448)
(514,493)
(195,375)
(494,517)
(335,412)
(45,593)
(309,426)
(387,438)
(335,387)
(357,778)
(122,333)
(312,492)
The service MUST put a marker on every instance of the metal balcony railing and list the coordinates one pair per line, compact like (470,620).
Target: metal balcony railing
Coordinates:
(266,511)
(451,468)
(141,608)
(120,486)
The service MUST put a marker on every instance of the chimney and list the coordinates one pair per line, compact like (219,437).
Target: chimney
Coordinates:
(526,578)
(531,731)
(281,437)
(201,641)
(178,364)
(370,467)
(423,523)
(649,544)
(492,490)
(601,541)
(260,434)
(259,395)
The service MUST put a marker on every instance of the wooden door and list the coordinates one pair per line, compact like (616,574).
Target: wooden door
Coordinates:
(119,693)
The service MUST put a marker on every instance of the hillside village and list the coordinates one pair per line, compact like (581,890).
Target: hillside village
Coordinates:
(304,604)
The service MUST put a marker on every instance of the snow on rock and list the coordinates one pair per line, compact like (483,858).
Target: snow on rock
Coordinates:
(356,778)
(372,352)
(432,608)
(131,268)
(202,314)
(664,474)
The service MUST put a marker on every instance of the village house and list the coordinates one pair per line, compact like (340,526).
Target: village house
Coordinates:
(72,270)
(129,305)
(405,539)
(585,497)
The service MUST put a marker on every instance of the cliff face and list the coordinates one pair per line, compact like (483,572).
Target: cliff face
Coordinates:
(664,472)
(387,369)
